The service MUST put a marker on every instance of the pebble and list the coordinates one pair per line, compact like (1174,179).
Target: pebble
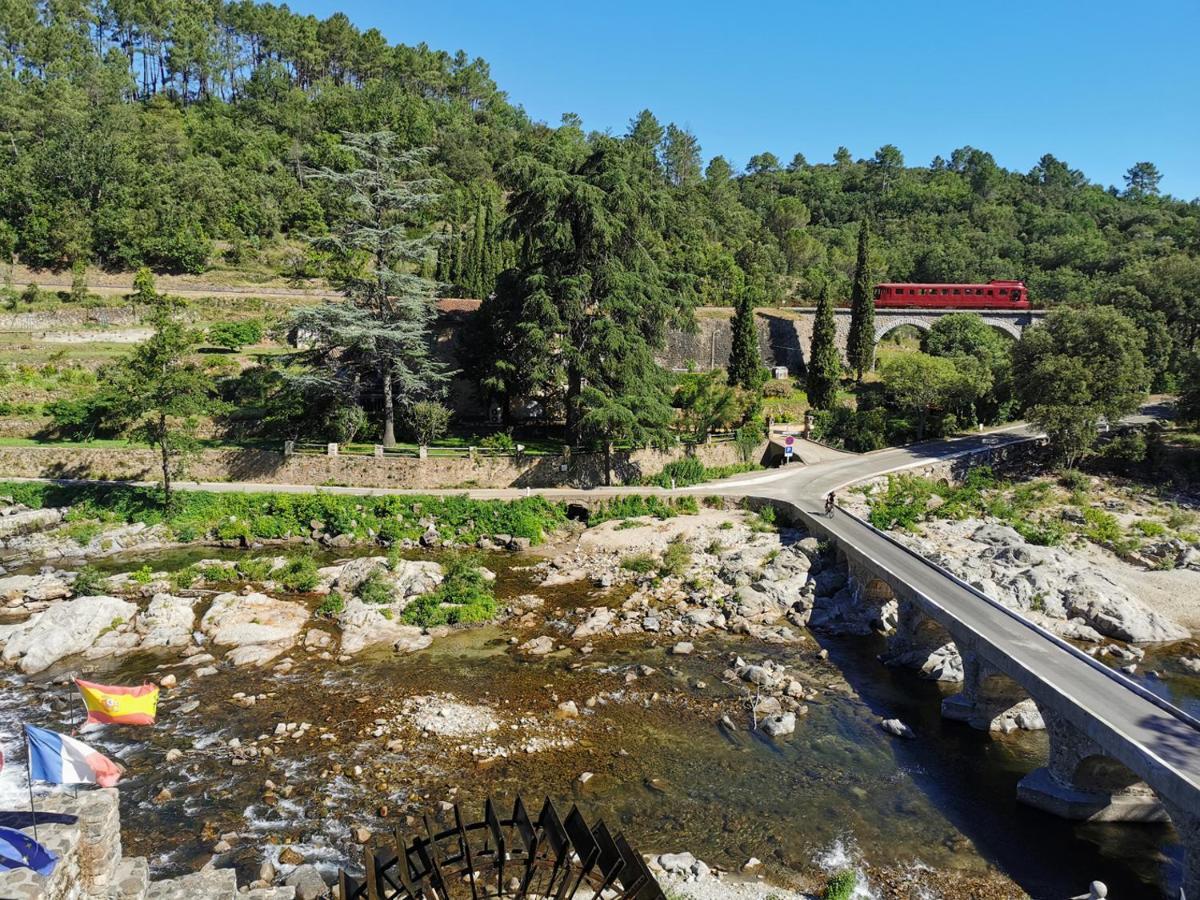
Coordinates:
(168,681)
(683,648)
(586,777)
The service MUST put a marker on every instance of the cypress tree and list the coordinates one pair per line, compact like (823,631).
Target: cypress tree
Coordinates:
(824,361)
(745,363)
(860,348)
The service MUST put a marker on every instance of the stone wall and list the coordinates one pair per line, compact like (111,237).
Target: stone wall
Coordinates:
(270,467)
(84,831)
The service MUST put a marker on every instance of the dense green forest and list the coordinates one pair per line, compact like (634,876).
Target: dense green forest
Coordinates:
(178,134)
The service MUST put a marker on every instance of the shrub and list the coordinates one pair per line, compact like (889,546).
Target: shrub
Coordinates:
(428,421)
(235,335)
(376,589)
(331,605)
(676,558)
(841,885)
(88,582)
(254,569)
(1150,528)
(463,597)
(80,418)
(82,532)
(777,387)
(501,440)
(1074,480)
(299,574)
(142,576)
(1101,527)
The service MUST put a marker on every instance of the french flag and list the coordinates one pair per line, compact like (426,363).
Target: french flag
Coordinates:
(60,759)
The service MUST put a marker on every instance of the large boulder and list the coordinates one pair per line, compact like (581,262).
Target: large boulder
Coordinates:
(367,624)
(62,630)
(256,626)
(18,590)
(167,622)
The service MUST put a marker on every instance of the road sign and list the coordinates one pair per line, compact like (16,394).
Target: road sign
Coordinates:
(789,440)
(787,451)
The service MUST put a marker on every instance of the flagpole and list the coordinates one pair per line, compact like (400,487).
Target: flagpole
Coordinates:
(29,774)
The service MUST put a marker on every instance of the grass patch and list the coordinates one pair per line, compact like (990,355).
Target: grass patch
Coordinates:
(387,519)
(635,506)
(639,563)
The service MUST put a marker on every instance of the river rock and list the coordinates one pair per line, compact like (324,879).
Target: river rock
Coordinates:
(598,621)
(364,625)
(683,648)
(676,863)
(307,881)
(167,622)
(780,725)
(17,590)
(62,630)
(538,646)
(1191,663)
(897,728)
(256,626)
(18,520)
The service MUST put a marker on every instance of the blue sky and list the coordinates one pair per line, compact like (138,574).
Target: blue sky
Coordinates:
(1099,84)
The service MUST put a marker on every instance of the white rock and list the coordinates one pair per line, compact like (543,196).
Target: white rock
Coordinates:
(62,630)
(896,727)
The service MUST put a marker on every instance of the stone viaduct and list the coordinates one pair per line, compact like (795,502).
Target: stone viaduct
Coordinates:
(785,335)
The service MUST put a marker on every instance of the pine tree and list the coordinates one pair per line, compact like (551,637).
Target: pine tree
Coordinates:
(380,337)
(860,348)
(745,362)
(824,361)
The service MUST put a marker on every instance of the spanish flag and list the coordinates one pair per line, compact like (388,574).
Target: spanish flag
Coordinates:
(112,705)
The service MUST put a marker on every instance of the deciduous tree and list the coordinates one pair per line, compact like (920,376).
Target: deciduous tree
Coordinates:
(1075,368)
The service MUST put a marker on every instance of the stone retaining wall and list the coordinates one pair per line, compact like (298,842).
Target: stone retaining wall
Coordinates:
(581,470)
(91,866)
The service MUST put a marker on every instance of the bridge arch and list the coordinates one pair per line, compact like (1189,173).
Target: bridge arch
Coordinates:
(885,326)
(1005,326)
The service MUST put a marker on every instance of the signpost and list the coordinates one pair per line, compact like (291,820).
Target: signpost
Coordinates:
(788,449)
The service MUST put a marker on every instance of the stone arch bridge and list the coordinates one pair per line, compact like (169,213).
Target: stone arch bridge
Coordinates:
(785,335)
(1117,751)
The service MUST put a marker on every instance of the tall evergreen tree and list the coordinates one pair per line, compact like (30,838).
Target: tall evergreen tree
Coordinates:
(745,361)
(590,293)
(824,362)
(860,348)
(380,337)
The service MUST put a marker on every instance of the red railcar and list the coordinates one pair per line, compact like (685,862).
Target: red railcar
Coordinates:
(993,295)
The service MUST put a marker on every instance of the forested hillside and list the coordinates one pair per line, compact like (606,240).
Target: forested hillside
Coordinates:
(177,133)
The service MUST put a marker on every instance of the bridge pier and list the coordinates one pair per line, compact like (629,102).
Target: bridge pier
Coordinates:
(990,700)
(1081,781)
(920,642)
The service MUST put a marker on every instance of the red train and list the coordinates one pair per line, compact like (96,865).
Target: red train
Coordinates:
(993,295)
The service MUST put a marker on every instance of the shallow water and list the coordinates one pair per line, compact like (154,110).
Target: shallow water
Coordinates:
(665,772)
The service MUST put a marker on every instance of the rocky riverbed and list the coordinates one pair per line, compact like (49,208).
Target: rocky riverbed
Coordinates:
(700,681)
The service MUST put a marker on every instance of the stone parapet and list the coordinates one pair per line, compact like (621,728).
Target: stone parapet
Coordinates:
(91,867)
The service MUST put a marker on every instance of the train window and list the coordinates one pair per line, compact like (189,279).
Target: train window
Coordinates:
(945,291)
(1003,292)
(989,292)
(957,291)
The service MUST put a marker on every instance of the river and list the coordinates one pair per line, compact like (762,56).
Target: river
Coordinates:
(938,813)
